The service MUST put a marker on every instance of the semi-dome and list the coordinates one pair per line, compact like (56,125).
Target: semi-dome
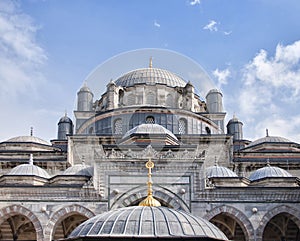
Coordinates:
(269,171)
(149,129)
(150,76)
(219,171)
(28,139)
(149,222)
(28,170)
(80,170)
(269,139)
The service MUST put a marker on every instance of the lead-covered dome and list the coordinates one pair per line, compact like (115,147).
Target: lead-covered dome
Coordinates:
(28,170)
(80,170)
(219,171)
(150,76)
(28,139)
(150,222)
(269,171)
(149,129)
(269,139)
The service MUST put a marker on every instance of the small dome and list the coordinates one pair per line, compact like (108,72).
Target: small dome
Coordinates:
(149,129)
(219,171)
(150,222)
(234,120)
(214,91)
(28,170)
(80,170)
(84,88)
(28,139)
(269,171)
(269,139)
(65,119)
(150,76)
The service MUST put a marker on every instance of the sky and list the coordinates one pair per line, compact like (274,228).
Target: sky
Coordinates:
(250,49)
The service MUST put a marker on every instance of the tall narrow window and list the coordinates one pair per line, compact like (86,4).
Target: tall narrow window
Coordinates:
(118,127)
(182,126)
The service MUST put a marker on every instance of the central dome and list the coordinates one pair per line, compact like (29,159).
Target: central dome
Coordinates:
(150,76)
(147,222)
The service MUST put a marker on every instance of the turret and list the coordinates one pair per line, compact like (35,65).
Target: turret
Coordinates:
(214,101)
(84,99)
(235,128)
(65,127)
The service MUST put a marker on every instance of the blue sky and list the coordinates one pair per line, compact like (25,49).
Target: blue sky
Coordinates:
(249,48)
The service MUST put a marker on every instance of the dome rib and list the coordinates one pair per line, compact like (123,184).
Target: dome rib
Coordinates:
(150,76)
(150,222)
(269,171)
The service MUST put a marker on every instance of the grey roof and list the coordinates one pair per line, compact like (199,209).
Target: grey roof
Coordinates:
(219,171)
(65,119)
(269,171)
(79,169)
(149,129)
(150,222)
(28,139)
(150,76)
(269,139)
(28,170)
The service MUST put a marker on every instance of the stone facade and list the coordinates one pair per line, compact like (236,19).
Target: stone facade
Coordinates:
(183,137)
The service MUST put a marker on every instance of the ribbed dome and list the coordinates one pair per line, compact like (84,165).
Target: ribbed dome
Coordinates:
(150,76)
(219,171)
(79,169)
(269,139)
(28,170)
(269,171)
(149,129)
(29,139)
(150,222)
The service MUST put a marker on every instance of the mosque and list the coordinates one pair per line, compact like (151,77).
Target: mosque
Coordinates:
(205,180)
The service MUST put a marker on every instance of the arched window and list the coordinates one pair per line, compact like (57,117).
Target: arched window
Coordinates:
(118,127)
(150,120)
(121,95)
(150,99)
(182,126)
(169,100)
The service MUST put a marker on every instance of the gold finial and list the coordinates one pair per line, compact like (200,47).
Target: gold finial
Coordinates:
(150,62)
(150,201)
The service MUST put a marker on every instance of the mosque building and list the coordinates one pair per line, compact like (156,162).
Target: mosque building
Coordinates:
(208,183)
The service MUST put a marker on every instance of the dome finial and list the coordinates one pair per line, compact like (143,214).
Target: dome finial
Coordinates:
(216,161)
(31,131)
(150,62)
(150,201)
(267,132)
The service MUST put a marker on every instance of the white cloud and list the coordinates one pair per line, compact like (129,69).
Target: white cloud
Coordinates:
(195,2)
(227,32)
(222,76)
(20,55)
(211,26)
(156,24)
(270,93)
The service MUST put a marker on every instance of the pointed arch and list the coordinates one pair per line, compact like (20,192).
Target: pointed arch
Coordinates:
(163,195)
(293,213)
(237,215)
(63,213)
(12,210)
